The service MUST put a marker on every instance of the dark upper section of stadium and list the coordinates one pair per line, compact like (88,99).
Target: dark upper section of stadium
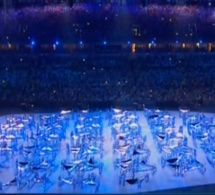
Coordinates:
(67,24)
(25,3)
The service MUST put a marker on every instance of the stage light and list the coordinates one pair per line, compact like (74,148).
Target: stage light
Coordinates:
(9,46)
(176,42)
(152,42)
(183,45)
(128,42)
(104,42)
(200,41)
(81,43)
(57,43)
(133,48)
(32,43)
(209,47)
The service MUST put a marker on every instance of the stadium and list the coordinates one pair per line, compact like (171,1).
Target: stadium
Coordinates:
(113,96)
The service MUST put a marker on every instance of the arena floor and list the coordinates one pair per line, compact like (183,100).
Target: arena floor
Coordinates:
(162,181)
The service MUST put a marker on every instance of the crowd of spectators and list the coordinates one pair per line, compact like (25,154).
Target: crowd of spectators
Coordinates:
(113,23)
(63,80)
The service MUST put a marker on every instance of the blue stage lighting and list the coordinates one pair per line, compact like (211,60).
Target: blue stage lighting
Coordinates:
(200,41)
(81,43)
(32,42)
(128,42)
(176,42)
(57,43)
(104,42)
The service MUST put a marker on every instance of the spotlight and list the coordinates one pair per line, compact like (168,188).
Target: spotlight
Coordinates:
(81,43)
(200,41)
(128,42)
(57,43)
(32,43)
(104,42)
